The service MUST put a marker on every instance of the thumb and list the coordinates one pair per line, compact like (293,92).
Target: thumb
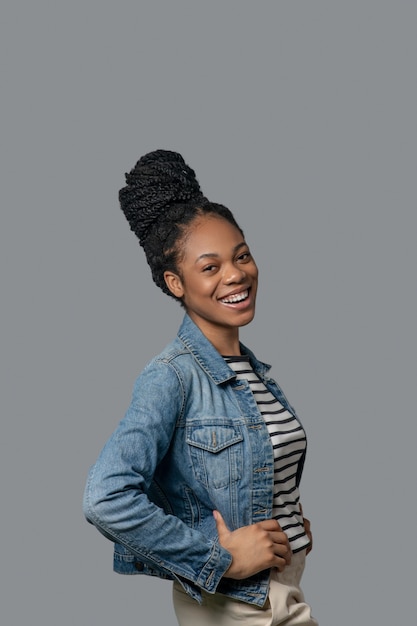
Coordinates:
(220,523)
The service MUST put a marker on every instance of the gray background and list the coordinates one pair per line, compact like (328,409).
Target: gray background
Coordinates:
(301,117)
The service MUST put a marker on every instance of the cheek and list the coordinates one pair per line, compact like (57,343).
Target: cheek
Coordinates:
(193,291)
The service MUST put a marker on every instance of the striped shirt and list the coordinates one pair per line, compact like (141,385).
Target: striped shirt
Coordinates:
(288,442)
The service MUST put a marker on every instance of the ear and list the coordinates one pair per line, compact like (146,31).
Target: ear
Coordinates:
(174,284)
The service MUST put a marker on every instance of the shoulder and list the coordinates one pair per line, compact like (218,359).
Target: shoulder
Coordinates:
(164,373)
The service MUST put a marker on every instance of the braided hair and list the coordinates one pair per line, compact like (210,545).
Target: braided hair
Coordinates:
(161,199)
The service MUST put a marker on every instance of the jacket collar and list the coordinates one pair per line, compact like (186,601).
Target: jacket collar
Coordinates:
(209,358)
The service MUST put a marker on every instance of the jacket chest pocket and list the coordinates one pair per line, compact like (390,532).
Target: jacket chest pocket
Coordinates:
(216,453)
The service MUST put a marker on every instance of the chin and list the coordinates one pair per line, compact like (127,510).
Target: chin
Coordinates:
(248,319)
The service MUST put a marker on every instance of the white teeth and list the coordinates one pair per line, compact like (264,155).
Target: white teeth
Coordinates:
(238,297)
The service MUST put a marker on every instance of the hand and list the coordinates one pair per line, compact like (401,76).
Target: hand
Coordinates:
(307,528)
(254,548)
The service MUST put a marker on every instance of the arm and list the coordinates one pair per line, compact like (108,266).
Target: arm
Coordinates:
(307,528)
(116,500)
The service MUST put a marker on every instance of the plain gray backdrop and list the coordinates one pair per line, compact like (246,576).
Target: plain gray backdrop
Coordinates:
(299,116)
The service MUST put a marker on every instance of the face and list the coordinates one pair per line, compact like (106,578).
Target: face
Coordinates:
(217,278)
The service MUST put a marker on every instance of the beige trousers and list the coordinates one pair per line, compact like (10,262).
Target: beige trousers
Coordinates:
(285,604)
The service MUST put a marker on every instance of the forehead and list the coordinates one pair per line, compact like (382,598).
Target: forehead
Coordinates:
(211,234)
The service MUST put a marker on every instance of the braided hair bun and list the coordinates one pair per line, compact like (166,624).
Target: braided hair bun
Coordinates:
(161,199)
(159,180)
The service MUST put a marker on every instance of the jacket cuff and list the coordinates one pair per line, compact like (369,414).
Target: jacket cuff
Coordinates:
(215,568)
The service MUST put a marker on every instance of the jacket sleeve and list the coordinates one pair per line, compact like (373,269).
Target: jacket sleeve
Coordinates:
(115,498)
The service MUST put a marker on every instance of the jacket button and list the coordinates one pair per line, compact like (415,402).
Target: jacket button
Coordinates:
(139,566)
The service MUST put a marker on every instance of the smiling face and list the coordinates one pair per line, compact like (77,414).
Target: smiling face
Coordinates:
(217,280)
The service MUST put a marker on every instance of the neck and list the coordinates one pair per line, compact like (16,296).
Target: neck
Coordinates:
(225,342)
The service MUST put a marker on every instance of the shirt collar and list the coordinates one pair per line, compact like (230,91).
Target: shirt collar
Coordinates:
(209,358)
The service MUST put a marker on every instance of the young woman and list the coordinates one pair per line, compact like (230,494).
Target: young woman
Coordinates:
(199,482)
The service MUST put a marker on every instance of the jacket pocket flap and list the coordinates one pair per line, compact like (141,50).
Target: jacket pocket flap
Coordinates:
(213,437)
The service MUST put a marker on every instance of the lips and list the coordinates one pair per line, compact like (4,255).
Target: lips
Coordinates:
(236,297)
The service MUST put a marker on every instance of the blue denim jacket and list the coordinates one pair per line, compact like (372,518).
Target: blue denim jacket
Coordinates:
(192,440)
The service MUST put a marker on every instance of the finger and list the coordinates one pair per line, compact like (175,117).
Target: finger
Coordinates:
(284,558)
(279,537)
(282,562)
(220,523)
(270,524)
(283,551)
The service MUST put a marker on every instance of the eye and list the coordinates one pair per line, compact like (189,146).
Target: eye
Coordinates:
(209,268)
(245,256)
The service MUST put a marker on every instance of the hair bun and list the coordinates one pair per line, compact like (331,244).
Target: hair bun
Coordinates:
(158,180)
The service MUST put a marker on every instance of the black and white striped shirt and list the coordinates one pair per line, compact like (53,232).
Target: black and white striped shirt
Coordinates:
(289,442)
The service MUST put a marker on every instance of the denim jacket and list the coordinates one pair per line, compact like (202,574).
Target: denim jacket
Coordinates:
(192,440)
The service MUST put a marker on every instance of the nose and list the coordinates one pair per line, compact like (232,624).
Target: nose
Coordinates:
(234,274)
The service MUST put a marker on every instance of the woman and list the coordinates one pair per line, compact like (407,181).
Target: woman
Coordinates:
(199,482)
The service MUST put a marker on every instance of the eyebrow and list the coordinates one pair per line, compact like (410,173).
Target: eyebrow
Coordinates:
(242,244)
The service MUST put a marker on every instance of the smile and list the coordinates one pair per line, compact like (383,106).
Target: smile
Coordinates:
(237,297)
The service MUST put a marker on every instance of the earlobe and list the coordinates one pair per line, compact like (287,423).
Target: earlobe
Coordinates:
(174,284)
